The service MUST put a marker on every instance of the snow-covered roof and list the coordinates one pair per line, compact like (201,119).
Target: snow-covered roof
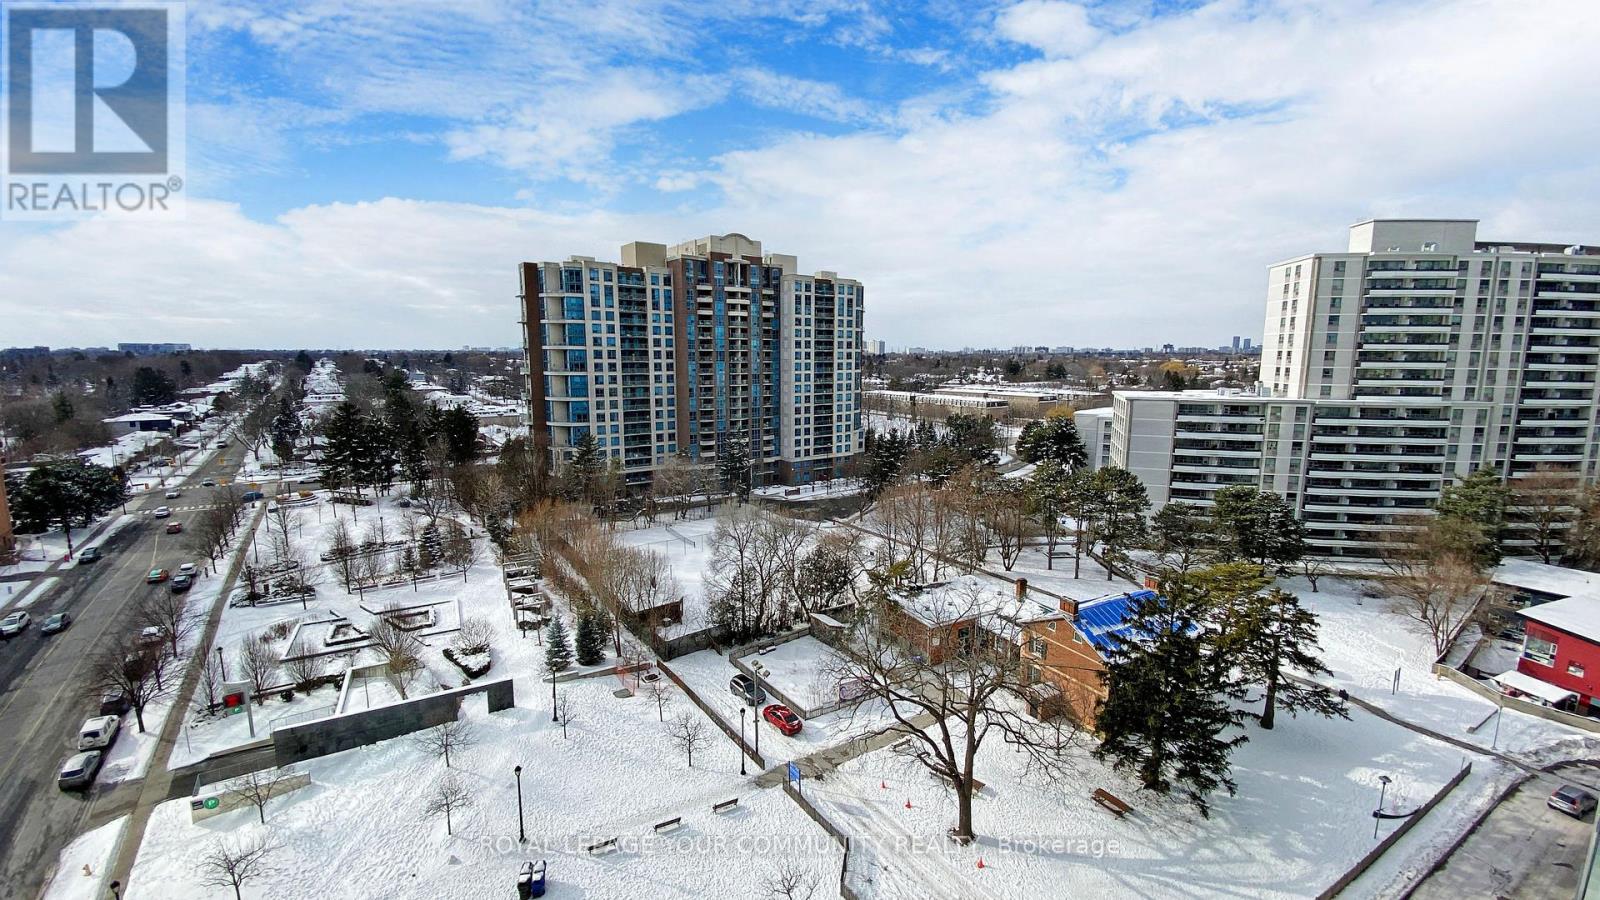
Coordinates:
(1527,684)
(1546,579)
(969,597)
(140,417)
(1575,615)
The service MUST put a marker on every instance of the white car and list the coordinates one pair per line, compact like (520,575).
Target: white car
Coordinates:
(98,733)
(14,624)
(174,494)
(163,511)
(189,569)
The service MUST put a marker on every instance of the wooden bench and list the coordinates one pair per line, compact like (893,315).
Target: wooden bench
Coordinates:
(725,805)
(668,825)
(605,846)
(1109,801)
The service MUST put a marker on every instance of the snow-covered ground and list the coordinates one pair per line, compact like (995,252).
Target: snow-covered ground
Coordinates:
(1302,817)
(1365,643)
(687,548)
(81,868)
(355,832)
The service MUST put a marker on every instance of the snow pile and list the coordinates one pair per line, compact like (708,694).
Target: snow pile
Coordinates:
(83,865)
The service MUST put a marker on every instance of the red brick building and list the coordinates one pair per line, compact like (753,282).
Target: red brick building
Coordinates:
(1562,648)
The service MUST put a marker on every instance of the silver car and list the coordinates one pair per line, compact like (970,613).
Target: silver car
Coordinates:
(79,770)
(14,624)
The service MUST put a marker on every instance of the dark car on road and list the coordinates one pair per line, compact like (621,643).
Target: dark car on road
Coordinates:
(89,555)
(180,583)
(114,703)
(1572,800)
(55,623)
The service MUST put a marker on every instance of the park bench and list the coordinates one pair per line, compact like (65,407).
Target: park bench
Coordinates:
(1109,801)
(668,825)
(605,846)
(725,806)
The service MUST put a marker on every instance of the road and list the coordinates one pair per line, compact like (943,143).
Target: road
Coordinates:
(1523,850)
(41,688)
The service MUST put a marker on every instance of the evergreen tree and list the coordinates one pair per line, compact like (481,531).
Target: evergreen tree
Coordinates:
(286,429)
(1479,500)
(1164,714)
(1182,534)
(1079,501)
(69,494)
(343,459)
(733,466)
(1258,526)
(592,636)
(584,467)
(1273,634)
(557,646)
(1046,494)
(1116,517)
(63,408)
(458,431)
(152,387)
(407,435)
(1054,438)
(972,439)
(885,460)
(302,361)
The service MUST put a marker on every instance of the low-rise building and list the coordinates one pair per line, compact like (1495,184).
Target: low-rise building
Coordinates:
(1561,649)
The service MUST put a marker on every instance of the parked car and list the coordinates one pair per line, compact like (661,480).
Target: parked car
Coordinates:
(98,733)
(163,511)
(189,569)
(782,718)
(181,583)
(150,634)
(156,576)
(114,703)
(90,555)
(174,494)
(14,624)
(79,770)
(1572,800)
(251,496)
(175,528)
(55,623)
(747,690)
(222,445)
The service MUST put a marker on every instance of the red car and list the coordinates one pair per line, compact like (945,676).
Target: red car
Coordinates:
(782,718)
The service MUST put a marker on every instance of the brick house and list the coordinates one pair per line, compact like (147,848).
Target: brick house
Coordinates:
(1064,650)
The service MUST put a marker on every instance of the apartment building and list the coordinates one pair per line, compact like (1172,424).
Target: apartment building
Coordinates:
(1413,358)
(677,350)
(1094,428)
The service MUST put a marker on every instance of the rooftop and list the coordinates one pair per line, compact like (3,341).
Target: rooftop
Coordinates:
(1579,616)
(1546,579)
(1104,620)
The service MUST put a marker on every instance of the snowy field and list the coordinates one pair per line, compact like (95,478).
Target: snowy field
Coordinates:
(687,548)
(353,834)
(1302,817)
(82,864)
(1364,642)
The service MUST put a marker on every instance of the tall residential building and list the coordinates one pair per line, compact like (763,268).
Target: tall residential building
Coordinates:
(1417,356)
(676,350)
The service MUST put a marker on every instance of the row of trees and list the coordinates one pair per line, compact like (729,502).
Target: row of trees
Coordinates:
(64,494)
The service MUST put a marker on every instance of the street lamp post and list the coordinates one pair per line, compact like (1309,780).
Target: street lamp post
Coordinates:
(522,833)
(742,711)
(1383,787)
(222,666)
(553,716)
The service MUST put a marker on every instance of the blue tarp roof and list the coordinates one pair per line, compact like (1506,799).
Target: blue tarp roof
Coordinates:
(1099,620)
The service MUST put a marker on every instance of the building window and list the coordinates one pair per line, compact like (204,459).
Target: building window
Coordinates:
(1539,650)
(1575,669)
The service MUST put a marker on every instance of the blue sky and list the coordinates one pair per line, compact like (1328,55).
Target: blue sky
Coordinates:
(369,172)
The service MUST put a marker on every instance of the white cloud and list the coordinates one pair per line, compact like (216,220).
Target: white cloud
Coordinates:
(1132,193)
(804,96)
(1054,27)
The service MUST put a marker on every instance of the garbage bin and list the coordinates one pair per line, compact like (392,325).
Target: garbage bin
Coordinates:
(530,881)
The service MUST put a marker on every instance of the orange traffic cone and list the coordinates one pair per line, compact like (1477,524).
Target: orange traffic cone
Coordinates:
(883,785)
(980,862)
(908,803)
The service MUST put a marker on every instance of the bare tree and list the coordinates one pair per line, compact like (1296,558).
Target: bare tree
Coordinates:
(401,652)
(1314,568)
(791,881)
(257,789)
(442,740)
(474,636)
(166,611)
(230,864)
(1544,504)
(566,710)
(968,695)
(128,667)
(1435,582)
(256,663)
(1007,514)
(342,547)
(449,794)
(660,691)
(302,666)
(688,733)
(210,683)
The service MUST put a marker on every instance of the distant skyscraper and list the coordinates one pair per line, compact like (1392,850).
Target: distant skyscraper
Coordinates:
(1246,343)
(677,350)
(1236,342)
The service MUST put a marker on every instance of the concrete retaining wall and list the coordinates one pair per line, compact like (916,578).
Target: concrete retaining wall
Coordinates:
(1522,706)
(337,733)
(1394,836)
(227,801)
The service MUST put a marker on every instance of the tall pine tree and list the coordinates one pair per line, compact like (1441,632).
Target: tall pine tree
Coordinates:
(1165,713)
(591,640)
(344,456)
(557,646)
(1272,635)
(1054,438)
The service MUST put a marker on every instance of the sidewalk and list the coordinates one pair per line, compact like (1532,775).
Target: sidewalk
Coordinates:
(829,758)
(156,786)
